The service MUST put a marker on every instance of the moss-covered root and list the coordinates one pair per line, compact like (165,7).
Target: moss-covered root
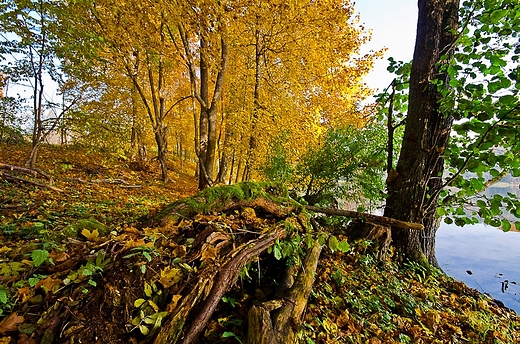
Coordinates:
(282,330)
(270,197)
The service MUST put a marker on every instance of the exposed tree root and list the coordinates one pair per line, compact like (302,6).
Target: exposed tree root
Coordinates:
(281,328)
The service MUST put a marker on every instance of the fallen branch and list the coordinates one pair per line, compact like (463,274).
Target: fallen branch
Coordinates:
(122,183)
(8,176)
(382,220)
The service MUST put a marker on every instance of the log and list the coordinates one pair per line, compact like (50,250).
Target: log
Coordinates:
(382,220)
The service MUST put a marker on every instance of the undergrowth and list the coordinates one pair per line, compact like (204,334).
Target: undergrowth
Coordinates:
(66,245)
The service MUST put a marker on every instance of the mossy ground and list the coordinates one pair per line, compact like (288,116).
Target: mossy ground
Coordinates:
(82,248)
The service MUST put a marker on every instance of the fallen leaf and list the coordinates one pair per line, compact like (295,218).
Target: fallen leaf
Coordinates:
(25,293)
(48,283)
(170,276)
(209,252)
(11,323)
(179,251)
(132,230)
(58,256)
(91,236)
(173,304)
(24,339)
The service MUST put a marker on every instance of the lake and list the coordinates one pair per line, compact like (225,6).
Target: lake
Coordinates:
(489,254)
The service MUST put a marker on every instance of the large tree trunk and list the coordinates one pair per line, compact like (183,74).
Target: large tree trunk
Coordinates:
(413,195)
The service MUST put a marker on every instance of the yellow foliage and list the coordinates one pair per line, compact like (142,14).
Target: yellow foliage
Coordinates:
(293,67)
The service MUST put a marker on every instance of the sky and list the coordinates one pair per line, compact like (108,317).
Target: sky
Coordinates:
(393,24)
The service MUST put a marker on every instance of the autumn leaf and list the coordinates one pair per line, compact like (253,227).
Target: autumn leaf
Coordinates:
(209,252)
(91,236)
(131,230)
(173,304)
(11,323)
(49,283)
(58,256)
(170,276)
(25,293)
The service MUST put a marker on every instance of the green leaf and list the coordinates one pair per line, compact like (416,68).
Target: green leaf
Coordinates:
(149,320)
(3,295)
(508,99)
(481,204)
(136,321)
(144,330)
(39,257)
(139,302)
(86,272)
(229,334)
(148,289)
(333,243)
(147,256)
(277,253)
(343,246)
(506,225)
(33,281)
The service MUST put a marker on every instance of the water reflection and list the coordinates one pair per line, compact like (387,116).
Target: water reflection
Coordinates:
(490,255)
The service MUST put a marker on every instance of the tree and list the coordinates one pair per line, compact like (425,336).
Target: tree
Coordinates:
(129,40)
(28,40)
(285,69)
(463,88)
(419,170)
(207,130)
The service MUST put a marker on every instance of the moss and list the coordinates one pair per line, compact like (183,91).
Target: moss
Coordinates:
(214,198)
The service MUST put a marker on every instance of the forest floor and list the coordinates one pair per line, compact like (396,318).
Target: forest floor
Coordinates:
(75,267)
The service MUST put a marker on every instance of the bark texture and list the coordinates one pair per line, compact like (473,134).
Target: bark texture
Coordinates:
(413,194)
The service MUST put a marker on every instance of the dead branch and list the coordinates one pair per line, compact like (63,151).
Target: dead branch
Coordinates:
(227,277)
(8,176)
(122,183)
(110,181)
(25,170)
(382,220)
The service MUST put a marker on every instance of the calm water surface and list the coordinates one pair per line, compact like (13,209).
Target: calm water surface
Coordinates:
(491,256)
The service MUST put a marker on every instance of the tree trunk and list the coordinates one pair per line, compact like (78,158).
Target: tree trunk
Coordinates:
(413,195)
(161,140)
(259,52)
(203,118)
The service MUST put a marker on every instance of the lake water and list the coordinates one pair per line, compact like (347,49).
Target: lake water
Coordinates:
(489,254)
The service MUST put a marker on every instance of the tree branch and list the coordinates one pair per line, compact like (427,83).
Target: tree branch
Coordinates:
(388,221)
